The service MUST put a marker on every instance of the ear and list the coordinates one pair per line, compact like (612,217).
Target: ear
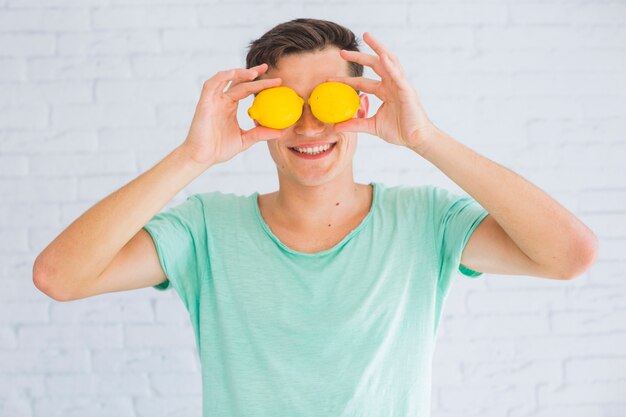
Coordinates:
(364,107)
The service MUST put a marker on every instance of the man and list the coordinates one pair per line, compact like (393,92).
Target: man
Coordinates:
(324,297)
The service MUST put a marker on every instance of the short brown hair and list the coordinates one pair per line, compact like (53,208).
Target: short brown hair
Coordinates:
(302,35)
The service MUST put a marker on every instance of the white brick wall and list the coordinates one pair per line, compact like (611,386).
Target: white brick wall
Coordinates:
(94,93)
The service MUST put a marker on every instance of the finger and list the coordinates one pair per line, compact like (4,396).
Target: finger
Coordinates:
(222,78)
(358,83)
(357,124)
(377,46)
(364,59)
(250,74)
(259,133)
(395,71)
(237,79)
(243,90)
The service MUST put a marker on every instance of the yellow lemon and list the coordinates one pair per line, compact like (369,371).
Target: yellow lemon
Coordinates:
(276,107)
(334,102)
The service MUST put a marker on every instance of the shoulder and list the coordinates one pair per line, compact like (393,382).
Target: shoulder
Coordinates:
(221,205)
(405,196)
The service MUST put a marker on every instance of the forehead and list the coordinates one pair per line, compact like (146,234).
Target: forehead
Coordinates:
(303,71)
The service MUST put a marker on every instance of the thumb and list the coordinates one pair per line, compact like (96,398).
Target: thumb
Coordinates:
(259,133)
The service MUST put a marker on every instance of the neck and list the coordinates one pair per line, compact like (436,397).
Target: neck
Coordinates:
(310,207)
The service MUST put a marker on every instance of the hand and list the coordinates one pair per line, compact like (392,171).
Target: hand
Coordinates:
(400,120)
(215,135)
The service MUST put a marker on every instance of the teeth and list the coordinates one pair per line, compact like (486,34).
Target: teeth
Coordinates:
(315,150)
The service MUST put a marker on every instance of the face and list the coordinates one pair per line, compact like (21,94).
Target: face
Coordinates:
(302,73)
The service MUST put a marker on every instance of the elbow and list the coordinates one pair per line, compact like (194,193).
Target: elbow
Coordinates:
(44,284)
(587,253)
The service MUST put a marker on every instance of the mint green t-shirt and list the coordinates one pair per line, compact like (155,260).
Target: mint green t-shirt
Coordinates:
(345,332)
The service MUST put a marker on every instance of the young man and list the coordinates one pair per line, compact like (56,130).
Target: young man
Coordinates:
(324,297)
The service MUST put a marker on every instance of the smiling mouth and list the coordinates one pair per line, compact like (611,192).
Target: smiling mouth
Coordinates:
(293,148)
(315,155)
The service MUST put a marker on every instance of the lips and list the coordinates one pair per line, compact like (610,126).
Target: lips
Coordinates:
(314,156)
(312,145)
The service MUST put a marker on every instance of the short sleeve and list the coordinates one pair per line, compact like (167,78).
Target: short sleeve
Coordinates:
(456,217)
(179,235)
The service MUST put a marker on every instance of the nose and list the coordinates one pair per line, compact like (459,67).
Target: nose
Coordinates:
(307,124)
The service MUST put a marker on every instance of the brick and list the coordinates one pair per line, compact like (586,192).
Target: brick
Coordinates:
(14,166)
(597,299)
(496,327)
(8,337)
(54,3)
(12,69)
(142,336)
(146,141)
(15,265)
(591,370)
(84,406)
(604,225)
(70,336)
(588,322)
(176,115)
(182,40)
(170,311)
(14,405)
(569,411)
(604,107)
(521,372)
(184,405)
(548,37)
(78,68)
(157,91)
(460,13)
(564,132)
(165,65)
(568,13)
(40,360)
(150,359)
(515,301)
(107,43)
(30,214)
(608,273)
(22,385)
(26,116)
(26,45)
(525,60)
(176,383)
(603,200)
(24,312)
(564,346)
(100,310)
(473,400)
(154,17)
(514,108)
(49,141)
(97,115)
(42,190)
(229,14)
(53,93)
(598,392)
(19,289)
(612,249)
(447,373)
(82,165)
(101,384)
(393,15)
(44,20)
(13,240)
